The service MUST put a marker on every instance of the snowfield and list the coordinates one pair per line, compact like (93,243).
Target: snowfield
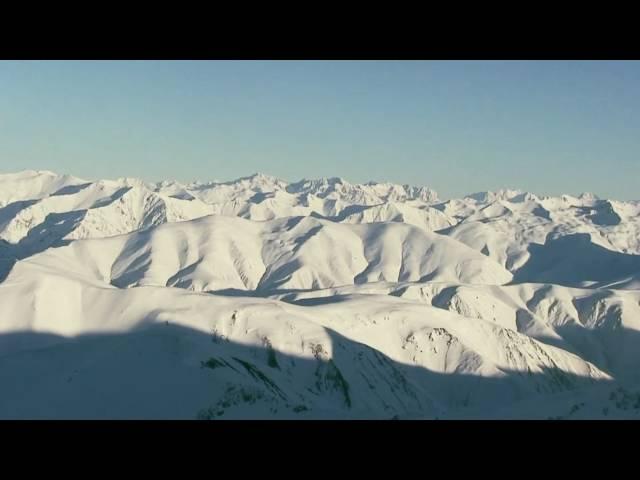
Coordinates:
(318,299)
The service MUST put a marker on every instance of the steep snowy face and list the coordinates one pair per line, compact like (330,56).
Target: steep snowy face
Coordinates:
(96,210)
(217,253)
(33,184)
(599,325)
(424,217)
(259,298)
(513,232)
(515,196)
(371,193)
(211,356)
(241,189)
(43,201)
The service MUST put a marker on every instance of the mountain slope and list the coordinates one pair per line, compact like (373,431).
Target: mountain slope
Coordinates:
(69,349)
(218,252)
(260,298)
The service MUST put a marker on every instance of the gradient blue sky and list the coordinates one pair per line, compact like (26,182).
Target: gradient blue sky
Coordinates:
(458,127)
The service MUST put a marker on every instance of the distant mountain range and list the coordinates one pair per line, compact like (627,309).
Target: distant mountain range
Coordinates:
(258,298)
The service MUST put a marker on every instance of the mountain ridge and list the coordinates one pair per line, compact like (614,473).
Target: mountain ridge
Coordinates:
(261,298)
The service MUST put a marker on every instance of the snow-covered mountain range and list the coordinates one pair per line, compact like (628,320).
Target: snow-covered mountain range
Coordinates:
(259,298)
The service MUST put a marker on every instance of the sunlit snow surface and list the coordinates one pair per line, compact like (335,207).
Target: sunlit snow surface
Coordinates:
(258,298)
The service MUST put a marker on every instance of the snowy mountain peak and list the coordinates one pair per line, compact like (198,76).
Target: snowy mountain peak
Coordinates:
(258,298)
(587,196)
(502,194)
(316,186)
(132,182)
(257,178)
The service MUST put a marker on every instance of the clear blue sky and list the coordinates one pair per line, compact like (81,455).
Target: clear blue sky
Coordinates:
(458,127)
